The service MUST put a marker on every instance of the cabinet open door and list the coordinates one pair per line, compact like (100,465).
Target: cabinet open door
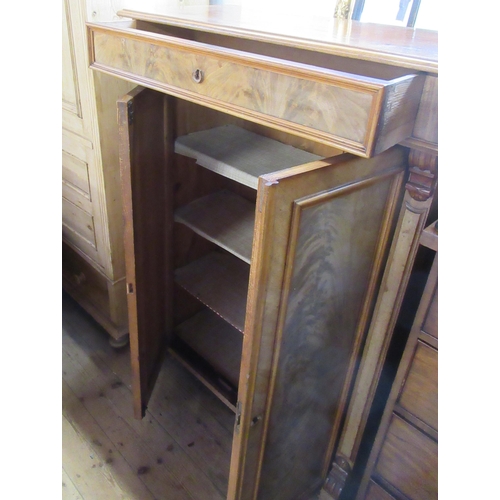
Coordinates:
(277,306)
(319,244)
(143,121)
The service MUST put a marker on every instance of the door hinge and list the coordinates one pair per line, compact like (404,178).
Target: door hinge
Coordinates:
(254,420)
(130,112)
(238,416)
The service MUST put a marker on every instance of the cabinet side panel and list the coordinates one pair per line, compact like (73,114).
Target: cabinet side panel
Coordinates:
(143,117)
(333,249)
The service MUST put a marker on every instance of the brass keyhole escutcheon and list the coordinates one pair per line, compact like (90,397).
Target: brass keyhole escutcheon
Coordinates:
(197,75)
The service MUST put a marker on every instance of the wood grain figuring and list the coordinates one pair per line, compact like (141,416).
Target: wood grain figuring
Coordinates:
(223,218)
(143,117)
(335,108)
(192,117)
(239,154)
(336,243)
(419,394)
(300,55)
(409,461)
(220,281)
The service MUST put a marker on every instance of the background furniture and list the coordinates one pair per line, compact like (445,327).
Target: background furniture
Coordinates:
(404,459)
(92,228)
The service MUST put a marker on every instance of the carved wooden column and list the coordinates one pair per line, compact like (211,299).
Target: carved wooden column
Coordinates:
(418,197)
(343,9)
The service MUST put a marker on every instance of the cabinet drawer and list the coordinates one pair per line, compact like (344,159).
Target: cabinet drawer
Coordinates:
(78,228)
(75,172)
(104,299)
(77,167)
(357,113)
(409,461)
(75,181)
(420,393)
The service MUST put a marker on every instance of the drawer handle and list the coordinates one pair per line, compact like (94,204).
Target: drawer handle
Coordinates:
(197,75)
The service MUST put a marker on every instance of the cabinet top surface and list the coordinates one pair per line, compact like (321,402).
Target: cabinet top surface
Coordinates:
(394,45)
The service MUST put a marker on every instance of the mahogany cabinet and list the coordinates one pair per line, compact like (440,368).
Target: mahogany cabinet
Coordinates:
(262,182)
(262,291)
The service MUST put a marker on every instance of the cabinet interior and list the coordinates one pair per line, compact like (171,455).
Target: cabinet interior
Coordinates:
(246,283)
(216,166)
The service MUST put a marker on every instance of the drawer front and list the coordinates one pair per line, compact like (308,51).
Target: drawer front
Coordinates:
(105,300)
(76,173)
(78,228)
(420,392)
(75,181)
(409,461)
(356,113)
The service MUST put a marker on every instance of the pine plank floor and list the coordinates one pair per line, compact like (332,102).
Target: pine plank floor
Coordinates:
(179,451)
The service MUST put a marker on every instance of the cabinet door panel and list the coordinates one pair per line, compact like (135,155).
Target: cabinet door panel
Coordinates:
(70,88)
(321,230)
(144,160)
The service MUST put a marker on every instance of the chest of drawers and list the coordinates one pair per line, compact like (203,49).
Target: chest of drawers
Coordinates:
(404,459)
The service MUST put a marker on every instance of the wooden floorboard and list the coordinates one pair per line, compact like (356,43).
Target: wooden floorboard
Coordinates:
(176,452)
(179,451)
(69,490)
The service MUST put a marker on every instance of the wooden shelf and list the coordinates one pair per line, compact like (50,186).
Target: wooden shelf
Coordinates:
(211,349)
(239,154)
(219,281)
(224,218)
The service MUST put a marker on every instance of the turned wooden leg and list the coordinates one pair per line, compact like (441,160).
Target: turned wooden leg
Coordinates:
(119,342)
